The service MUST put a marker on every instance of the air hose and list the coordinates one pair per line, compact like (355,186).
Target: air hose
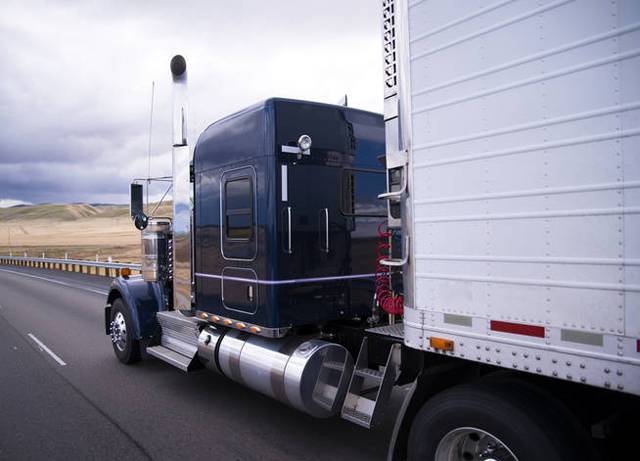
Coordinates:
(388,302)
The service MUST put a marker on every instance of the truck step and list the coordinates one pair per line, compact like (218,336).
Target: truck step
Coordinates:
(358,408)
(375,375)
(178,341)
(174,358)
(357,417)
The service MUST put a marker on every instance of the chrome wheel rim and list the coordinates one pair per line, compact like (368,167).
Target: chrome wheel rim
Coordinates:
(119,332)
(472,444)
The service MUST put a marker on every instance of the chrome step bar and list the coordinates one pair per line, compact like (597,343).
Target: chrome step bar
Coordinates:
(179,340)
(358,407)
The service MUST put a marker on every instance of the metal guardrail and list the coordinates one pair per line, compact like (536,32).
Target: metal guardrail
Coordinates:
(74,265)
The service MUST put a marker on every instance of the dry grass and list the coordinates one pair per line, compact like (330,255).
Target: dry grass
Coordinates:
(82,231)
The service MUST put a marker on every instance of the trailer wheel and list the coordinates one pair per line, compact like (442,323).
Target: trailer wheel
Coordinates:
(492,421)
(127,348)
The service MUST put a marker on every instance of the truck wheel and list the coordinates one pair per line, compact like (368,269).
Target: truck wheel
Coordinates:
(492,421)
(127,348)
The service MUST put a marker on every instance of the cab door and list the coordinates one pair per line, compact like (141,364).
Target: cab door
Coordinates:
(313,232)
(239,240)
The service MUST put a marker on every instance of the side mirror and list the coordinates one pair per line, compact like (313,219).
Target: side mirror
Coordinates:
(136,207)
(135,200)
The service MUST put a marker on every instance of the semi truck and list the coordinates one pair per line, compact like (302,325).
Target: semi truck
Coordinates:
(477,245)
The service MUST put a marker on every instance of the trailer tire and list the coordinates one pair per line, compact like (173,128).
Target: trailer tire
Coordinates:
(459,423)
(125,346)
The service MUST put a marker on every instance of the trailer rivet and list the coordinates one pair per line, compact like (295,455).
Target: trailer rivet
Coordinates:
(555,373)
(607,371)
(569,377)
(526,356)
(583,379)
(607,384)
(619,372)
(515,365)
(620,387)
(582,365)
(568,363)
(514,353)
(526,367)
(537,357)
(539,370)
(498,362)
(554,360)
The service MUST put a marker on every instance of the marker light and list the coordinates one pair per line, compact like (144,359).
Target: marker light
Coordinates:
(227,322)
(215,318)
(240,325)
(441,343)
(254,330)
(203,316)
(125,272)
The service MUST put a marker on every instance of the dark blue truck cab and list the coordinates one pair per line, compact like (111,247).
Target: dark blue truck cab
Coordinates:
(284,238)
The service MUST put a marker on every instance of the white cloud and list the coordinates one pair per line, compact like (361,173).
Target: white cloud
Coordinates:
(7,202)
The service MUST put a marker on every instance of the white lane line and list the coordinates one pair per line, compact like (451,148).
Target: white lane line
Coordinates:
(47,350)
(100,292)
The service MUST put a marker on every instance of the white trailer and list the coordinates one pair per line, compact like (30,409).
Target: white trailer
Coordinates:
(513,151)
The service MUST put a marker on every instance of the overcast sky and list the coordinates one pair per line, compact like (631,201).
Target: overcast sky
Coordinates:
(76,80)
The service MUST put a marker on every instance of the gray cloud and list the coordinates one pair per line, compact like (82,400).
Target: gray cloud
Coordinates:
(74,97)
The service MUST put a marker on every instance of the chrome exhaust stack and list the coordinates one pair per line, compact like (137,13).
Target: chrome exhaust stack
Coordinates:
(182,191)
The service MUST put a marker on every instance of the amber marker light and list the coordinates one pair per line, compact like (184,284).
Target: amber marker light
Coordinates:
(254,330)
(227,322)
(125,272)
(214,318)
(441,343)
(240,325)
(203,316)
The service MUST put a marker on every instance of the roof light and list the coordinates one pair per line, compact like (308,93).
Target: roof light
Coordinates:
(254,330)
(227,322)
(240,325)
(304,143)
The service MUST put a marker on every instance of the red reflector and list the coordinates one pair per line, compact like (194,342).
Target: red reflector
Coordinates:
(638,345)
(518,328)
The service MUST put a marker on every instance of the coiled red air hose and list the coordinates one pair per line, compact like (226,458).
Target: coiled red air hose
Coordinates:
(384,296)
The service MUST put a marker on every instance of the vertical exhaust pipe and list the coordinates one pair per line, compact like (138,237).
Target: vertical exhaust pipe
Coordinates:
(182,191)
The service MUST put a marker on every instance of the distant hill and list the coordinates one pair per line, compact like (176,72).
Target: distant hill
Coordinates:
(70,212)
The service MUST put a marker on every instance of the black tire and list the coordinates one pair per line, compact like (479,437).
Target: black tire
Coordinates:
(531,428)
(126,348)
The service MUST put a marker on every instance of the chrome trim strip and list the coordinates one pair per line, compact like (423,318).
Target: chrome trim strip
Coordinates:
(287,282)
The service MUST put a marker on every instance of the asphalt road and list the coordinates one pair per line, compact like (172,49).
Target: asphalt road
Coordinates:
(94,407)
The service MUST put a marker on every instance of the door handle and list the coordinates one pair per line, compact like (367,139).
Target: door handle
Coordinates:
(325,248)
(289,248)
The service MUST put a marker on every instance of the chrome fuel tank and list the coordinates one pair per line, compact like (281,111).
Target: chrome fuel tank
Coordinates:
(311,375)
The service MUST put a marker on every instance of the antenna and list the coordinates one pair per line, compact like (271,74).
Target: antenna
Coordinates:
(153,87)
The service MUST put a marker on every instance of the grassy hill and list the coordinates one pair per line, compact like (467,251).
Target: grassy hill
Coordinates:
(80,230)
